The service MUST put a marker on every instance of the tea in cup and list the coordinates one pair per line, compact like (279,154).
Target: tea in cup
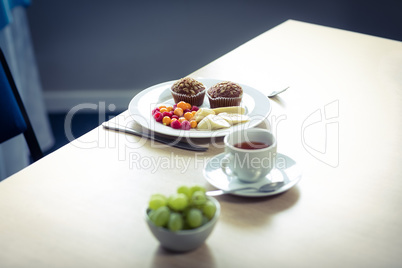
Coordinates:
(250,154)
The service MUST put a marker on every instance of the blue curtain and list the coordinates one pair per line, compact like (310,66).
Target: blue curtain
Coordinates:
(5,10)
(15,40)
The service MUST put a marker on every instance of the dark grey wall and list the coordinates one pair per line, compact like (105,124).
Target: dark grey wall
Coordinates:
(123,44)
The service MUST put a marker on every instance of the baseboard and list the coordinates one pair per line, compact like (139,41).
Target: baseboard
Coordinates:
(88,100)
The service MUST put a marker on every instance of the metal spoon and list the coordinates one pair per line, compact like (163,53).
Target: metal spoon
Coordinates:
(269,187)
(274,93)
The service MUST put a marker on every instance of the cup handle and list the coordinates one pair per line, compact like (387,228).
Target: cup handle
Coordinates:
(225,162)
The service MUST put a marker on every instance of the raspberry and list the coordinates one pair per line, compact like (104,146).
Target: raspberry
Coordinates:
(175,124)
(158,116)
(155,110)
(185,125)
(169,114)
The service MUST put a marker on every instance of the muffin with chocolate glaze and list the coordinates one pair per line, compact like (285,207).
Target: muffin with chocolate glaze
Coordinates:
(188,90)
(225,94)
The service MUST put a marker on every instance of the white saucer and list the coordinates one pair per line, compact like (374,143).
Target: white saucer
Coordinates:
(286,170)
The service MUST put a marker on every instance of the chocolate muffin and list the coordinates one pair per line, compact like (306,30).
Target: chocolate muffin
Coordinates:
(189,90)
(225,94)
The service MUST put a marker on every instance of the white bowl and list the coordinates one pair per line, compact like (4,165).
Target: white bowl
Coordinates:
(184,240)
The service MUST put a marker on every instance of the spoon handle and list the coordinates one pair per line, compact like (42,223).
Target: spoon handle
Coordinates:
(273,186)
(221,192)
(274,93)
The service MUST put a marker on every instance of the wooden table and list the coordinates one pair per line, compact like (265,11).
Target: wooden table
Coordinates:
(83,205)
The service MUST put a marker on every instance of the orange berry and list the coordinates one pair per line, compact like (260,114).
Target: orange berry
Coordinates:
(193,124)
(182,105)
(194,112)
(169,108)
(178,112)
(166,120)
(188,106)
(163,110)
(188,116)
(162,106)
(181,119)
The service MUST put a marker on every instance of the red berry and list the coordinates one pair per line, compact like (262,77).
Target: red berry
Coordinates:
(158,116)
(169,114)
(195,108)
(175,116)
(186,111)
(155,110)
(175,124)
(185,125)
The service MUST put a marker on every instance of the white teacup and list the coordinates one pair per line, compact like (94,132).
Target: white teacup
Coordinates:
(250,154)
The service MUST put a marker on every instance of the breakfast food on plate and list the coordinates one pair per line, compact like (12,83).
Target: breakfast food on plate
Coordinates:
(212,122)
(184,116)
(234,119)
(204,112)
(188,90)
(225,94)
(224,117)
(230,110)
(178,116)
(222,120)
(188,208)
(201,113)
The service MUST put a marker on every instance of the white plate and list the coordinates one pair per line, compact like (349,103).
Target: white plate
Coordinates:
(286,170)
(257,107)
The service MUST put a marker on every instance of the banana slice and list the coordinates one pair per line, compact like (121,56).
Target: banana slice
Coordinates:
(234,119)
(230,110)
(201,113)
(211,122)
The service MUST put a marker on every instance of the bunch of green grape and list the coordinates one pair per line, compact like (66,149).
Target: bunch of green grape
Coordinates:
(188,208)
